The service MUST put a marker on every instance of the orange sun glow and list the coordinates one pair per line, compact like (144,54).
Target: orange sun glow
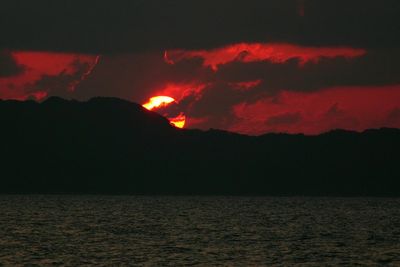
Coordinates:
(157,102)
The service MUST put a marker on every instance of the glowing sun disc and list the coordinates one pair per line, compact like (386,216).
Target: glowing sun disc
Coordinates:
(162,101)
(158,101)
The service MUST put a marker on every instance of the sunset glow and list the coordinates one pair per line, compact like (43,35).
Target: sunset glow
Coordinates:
(179,121)
(158,102)
(42,73)
(256,52)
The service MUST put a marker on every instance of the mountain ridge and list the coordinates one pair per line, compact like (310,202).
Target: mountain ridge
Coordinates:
(109,145)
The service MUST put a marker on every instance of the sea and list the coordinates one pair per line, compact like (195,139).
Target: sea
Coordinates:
(79,230)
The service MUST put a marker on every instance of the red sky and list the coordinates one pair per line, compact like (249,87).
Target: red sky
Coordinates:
(253,52)
(250,88)
(297,66)
(44,72)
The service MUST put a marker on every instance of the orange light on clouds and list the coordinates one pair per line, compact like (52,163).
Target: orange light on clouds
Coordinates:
(157,102)
(179,121)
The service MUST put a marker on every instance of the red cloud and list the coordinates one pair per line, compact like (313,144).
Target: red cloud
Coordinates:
(245,85)
(245,95)
(252,52)
(352,108)
(68,68)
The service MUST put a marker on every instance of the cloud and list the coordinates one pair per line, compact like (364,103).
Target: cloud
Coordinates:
(210,97)
(284,119)
(264,88)
(256,52)
(394,114)
(394,117)
(248,66)
(45,74)
(352,108)
(334,111)
(338,118)
(9,66)
(136,25)
(267,70)
(375,68)
(137,77)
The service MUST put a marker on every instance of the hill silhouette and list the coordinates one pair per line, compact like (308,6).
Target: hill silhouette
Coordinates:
(112,146)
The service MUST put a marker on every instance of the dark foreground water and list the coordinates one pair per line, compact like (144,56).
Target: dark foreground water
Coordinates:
(206,231)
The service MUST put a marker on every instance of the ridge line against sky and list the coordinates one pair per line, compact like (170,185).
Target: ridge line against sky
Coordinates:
(252,67)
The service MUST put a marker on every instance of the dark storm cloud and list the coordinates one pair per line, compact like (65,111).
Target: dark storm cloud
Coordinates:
(137,25)
(334,111)
(58,85)
(137,76)
(222,98)
(377,68)
(339,119)
(62,84)
(374,69)
(394,115)
(8,65)
(217,100)
(284,119)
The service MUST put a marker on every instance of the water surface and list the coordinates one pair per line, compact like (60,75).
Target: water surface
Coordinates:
(205,231)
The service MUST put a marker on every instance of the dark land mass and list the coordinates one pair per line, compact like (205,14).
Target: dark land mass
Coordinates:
(111,146)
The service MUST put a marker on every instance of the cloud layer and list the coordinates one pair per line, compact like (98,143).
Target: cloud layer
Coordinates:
(9,66)
(40,74)
(249,66)
(102,26)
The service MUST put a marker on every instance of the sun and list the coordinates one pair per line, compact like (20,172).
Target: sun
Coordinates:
(158,102)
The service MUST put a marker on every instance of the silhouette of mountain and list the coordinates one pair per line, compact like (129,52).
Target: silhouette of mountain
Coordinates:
(112,146)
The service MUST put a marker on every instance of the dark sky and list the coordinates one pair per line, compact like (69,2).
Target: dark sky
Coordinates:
(248,66)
